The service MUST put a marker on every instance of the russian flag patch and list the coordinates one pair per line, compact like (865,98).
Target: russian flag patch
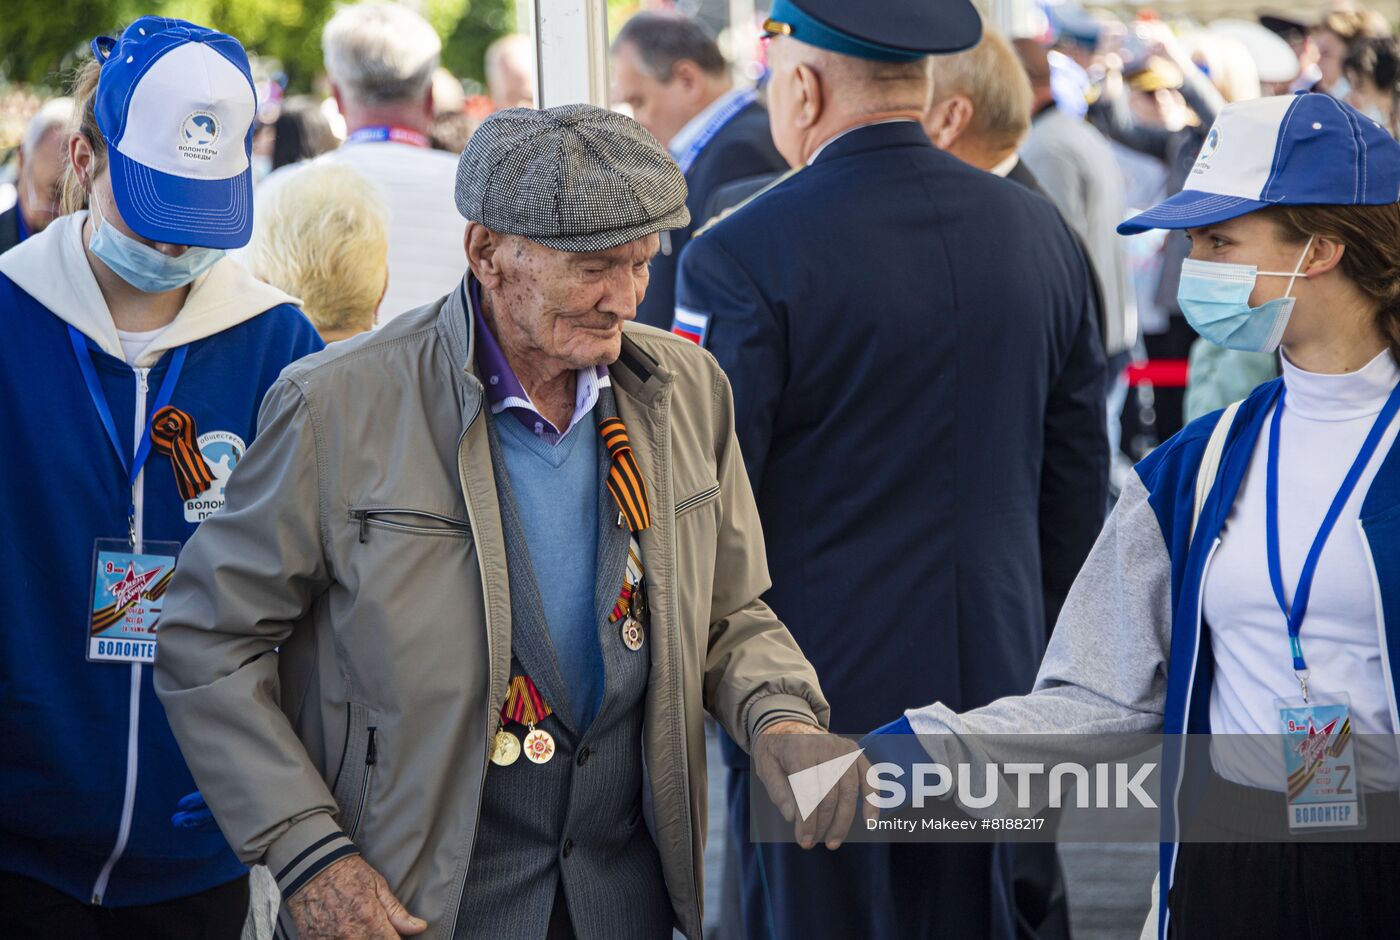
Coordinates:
(692,324)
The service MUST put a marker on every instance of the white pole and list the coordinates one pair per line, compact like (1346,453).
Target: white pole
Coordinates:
(571,51)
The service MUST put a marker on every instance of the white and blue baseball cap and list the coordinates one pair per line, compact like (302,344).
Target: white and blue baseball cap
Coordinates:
(176,106)
(1306,149)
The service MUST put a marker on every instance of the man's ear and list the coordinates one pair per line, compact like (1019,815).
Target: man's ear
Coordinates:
(1324,256)
(484,254)
(809,94)
(947,120)
(688,78)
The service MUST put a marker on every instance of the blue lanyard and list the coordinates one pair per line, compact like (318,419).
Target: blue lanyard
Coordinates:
(716,124)
(131,465)
(382,132)
(1299,610)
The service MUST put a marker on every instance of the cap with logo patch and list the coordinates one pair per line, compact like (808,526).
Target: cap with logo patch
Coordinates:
(1306,149)
(175,104)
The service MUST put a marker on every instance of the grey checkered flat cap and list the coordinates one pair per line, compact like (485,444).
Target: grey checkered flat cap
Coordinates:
(574,178)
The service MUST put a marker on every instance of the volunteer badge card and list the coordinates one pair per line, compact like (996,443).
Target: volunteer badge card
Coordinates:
(127,595)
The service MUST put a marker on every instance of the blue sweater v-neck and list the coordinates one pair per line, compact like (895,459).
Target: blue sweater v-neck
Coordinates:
(556,497)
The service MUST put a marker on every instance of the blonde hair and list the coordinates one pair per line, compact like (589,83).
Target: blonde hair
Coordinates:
(321,235)
(990,74)
(84,122)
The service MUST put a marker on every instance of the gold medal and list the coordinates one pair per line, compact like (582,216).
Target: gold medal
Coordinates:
(539,746)
(506,750)
(632,636)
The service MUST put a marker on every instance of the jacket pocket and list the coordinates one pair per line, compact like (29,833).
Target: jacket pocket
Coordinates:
(414,521)
(697,499)
(352,780)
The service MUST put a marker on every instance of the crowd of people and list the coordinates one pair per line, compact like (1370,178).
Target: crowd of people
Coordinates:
(478,463)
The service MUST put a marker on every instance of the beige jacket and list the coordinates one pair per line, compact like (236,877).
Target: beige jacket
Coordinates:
(356,579)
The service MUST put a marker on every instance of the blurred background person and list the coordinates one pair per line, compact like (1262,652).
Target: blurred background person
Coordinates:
(324,239)
(1295,31)
(1162,109)
(301,132)
(1372,69)
(981,107)
(510,72)
(672,76)
(1334,35)
(381,58)
(39,176)
(452,124)
(1075,166)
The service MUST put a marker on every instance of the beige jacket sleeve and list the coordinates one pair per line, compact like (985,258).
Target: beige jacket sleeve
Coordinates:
(245,579)
(755,674)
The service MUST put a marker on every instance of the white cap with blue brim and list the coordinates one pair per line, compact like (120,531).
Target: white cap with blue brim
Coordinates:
(1300,150)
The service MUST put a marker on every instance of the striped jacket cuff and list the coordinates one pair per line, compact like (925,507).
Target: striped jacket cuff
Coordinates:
(305,850)
(779,706)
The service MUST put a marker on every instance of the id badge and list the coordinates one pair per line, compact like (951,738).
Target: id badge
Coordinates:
(1319,762)
(128,592)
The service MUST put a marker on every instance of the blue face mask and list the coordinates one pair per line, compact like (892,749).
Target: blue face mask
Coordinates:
(142,266)
(1214,296)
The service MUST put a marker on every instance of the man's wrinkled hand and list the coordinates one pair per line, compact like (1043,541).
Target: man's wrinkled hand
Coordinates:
(786,747)
(351,901)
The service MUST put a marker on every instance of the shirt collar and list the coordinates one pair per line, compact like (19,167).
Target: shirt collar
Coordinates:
(1004,168)
(504,391)
(831,140)
(691,132)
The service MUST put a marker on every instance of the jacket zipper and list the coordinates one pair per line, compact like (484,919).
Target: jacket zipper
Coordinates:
(371,758)
(490,718)
(1380,634)
(368,517)
(133,725)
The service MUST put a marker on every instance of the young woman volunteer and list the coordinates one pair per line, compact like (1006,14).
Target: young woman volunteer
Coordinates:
(134,361)
(1269,609)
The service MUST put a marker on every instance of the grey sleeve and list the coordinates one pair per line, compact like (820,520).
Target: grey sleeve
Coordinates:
(1105,669)
(245,579)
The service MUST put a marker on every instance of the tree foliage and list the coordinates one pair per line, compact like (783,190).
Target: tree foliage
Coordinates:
(40,40)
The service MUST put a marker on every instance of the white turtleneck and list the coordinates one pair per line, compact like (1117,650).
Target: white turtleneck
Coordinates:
(1325,420)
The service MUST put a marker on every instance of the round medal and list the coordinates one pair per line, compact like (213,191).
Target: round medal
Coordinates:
(539,746)
(506,750)
(632,634)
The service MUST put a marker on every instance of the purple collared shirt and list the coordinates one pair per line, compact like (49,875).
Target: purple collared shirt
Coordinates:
(504,391)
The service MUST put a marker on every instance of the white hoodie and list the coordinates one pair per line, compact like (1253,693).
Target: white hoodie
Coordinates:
(52,267)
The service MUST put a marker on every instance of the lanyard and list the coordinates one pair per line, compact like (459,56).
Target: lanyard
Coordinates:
(687,157)
(1299,610)
(382,132)
(132,465)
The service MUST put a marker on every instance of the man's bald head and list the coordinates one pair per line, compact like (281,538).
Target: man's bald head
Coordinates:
(816,93)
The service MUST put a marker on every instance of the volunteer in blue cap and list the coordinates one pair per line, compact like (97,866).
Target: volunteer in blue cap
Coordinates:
(134,362)
(918,390)
(1247,585)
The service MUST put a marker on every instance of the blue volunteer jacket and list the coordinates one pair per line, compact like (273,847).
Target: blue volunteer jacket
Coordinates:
(1169,475)
(70,726)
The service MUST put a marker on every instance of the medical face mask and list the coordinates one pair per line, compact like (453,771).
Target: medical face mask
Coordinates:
(142,266)
(1214,296)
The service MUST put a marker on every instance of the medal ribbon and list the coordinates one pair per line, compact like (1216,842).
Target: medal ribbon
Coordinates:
(1294,615)
(524,705)
(624,476)
(173,434)
(131,464)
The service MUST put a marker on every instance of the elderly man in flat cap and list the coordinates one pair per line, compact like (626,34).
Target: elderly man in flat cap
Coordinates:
(442,661)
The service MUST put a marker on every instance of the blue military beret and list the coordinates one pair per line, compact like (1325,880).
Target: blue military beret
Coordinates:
(885,30)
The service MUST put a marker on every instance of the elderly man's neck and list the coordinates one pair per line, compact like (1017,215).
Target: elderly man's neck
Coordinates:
(411,115)
(838,123)
(551,383)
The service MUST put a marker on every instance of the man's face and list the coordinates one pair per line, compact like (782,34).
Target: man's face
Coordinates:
(569,307)
(1331,53)
(40,180)
(661,107)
